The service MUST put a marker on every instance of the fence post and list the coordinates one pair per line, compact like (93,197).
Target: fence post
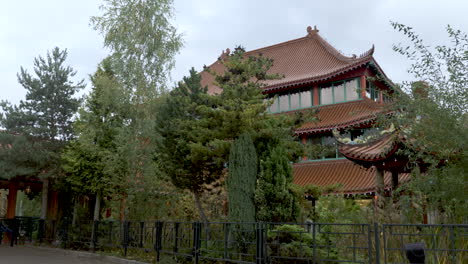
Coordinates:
(40,233)
(14,231)
(142,227)
(125,236)
(65,233)
(369,243)
(377,243)
(226,239)
(176,235)
(196,241)
(158,242)
(260,256)
(314,242)
(452,243)
(94,234)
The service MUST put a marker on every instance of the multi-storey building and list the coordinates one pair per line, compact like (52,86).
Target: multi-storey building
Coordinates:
(346,91)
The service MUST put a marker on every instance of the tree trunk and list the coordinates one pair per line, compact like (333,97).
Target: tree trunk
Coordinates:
(379,187)
(97,205)
(200,207)
(75,211)
(123,202)
(45,194)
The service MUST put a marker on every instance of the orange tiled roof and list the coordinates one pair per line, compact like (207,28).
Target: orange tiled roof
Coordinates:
(342,115)
(301,61)
(354,178)
(379,149)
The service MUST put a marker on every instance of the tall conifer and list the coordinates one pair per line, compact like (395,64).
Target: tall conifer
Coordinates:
(241,180)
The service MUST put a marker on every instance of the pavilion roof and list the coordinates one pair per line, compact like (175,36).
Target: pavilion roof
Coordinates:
(342,116)
(354,179)
(375,150)
(302,61)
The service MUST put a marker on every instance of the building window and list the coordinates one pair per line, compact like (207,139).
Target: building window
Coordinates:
(292,101)
(372,92)
(338,92)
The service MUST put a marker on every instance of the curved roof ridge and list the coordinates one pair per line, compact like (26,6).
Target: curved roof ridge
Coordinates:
(336,53)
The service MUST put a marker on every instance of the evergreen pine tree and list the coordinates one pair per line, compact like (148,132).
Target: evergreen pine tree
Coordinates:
(275,201)
(241,180)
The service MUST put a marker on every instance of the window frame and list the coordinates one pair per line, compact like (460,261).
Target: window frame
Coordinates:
(343,82)
(288,94)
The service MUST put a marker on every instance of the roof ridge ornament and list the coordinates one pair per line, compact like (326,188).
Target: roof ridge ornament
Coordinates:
(224,54)
(311,32)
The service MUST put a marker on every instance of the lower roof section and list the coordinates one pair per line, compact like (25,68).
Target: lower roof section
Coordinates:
(354,178)
(342,116)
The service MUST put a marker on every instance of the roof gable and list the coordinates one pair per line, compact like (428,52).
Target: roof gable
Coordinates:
(307,59)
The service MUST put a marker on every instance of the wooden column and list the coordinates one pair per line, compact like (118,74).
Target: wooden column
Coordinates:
(45,194)
(363,86)
(11,205)
(394,180)
(52,205)
(316,95)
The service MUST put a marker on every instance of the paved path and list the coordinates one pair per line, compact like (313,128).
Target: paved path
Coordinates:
(41,255)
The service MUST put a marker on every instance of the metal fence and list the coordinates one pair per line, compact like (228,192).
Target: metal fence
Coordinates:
(250,242)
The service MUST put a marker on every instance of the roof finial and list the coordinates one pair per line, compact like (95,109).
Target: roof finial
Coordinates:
(311,31)
(224,54)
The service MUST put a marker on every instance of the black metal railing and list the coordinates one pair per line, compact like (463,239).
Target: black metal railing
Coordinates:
(249,242)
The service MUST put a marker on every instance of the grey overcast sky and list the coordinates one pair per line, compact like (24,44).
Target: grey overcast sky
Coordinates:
(29,28)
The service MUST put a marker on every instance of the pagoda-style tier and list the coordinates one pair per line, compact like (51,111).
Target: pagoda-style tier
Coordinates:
(302,62)
(345,93)
(354,179)
(380,152)
(341,116)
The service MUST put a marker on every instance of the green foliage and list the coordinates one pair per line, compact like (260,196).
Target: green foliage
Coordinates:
(38,128)
(241,180)
(90,160)
(50,106)
(186,150)
(431,113)
(25,159)
(337,209)
(274,196)
(197,129)
(143,44)
(142,40)
(294,242)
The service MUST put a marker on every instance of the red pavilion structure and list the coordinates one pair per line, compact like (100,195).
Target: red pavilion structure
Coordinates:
(347,92)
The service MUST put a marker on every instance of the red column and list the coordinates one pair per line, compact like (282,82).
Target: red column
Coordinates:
(12,194)
(316,95)
(363,86)
(52,205)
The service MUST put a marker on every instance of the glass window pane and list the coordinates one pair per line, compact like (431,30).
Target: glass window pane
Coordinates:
(339,92)
(326,95)
(274,106)
(352,90)
(294,97)
(284,102)
(306,99)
